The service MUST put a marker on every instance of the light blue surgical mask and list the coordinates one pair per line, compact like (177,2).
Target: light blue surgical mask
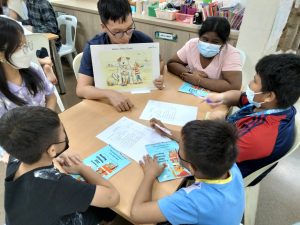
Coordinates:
(208,50)
(250,95)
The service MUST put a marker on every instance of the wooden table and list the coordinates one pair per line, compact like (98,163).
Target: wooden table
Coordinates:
(88,118)
(57,62)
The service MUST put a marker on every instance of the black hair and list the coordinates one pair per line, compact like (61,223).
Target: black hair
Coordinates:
(210,146)
(280,74)
(220,25)
(27,132)
(113,10)
(11,34)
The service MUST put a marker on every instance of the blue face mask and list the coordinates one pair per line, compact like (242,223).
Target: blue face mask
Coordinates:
(250,95)
(208,50)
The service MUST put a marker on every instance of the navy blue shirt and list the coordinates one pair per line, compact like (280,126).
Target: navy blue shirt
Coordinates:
(86,66)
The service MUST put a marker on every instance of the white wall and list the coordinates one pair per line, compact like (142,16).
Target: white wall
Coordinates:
(255,32)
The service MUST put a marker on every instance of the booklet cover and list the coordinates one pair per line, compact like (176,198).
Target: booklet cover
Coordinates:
(193,90)
(107,162)
(166,153)
(126,67)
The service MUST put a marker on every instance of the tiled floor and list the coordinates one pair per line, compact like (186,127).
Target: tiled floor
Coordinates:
(279,201)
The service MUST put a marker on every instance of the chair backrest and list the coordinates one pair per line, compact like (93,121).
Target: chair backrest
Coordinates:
(76,64)
(243,57)
(37,41)
(296,145)
(71,24)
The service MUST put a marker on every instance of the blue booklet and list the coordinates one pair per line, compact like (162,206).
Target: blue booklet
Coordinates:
(166,153)
(194,90)
(107,162)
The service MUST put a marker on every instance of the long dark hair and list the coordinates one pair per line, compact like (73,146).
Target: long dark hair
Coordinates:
(11,34)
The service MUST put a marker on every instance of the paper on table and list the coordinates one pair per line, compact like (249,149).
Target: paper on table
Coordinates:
(166,153)
(130,137)
(194,90)
(106,161)
(170,113)
(140,91)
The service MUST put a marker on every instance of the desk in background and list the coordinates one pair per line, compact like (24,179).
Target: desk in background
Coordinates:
(88,118)
(89,25)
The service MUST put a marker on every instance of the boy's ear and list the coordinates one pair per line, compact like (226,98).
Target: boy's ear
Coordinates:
(102,27)
(271,97)
(51,151)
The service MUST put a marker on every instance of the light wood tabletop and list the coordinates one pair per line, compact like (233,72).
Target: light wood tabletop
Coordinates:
(88,118)
(51,36)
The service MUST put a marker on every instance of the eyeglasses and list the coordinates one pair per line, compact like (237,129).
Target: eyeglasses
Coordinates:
(60,142)
(66,147)
(184,160)
(26,47)
(120,34)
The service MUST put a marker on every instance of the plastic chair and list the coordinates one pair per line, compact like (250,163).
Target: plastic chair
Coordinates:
(252,192)
(37,41)
(68,48)
(76,64)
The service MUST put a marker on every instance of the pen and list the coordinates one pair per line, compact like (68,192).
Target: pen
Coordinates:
(163,129)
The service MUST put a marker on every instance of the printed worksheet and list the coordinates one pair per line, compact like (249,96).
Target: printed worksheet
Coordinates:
(170,113)
(167,153)
(107,162)
(130,137)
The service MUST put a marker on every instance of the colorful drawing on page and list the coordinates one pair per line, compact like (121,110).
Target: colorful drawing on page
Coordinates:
(192,89)
(107,162)
(125,67)
(167,153)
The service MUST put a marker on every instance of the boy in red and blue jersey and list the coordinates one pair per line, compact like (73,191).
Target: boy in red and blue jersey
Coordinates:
(266,119)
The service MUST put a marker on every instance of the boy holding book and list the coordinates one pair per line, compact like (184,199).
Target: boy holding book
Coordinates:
(208,150)
(35,191)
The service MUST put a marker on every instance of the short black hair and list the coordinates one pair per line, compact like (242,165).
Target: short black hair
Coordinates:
(220,25)
(280,74)
(113,10)
(210,145)
(26,132)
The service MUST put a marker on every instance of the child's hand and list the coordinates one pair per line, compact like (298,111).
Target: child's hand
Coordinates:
(164,132)
(159,82)
(215,99)
(45,61)
(151,167)
(71,164)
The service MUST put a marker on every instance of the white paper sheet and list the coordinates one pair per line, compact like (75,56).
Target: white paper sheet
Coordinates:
(130,137)
(170,113)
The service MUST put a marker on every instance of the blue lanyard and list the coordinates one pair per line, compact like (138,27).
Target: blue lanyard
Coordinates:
(265,112)
(239,114)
